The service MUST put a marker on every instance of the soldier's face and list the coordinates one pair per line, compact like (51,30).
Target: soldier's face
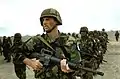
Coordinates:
(83,34)
(48,23)
(17,39)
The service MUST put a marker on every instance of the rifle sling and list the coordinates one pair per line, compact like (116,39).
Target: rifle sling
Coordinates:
(46,43)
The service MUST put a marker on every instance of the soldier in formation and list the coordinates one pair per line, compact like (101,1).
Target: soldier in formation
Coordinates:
(86,50)
(50,19)
(1,47)
(104,34)
(92,46)
(6,49)
(116,35)
(16,51)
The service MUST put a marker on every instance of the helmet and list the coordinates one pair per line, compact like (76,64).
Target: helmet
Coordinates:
(73,34)
(95,31)
(103,29)
(17,35)
(90,33)
(83,29)
(69,34)
(50,12)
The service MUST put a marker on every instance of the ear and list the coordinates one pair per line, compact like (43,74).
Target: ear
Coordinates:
(56,22)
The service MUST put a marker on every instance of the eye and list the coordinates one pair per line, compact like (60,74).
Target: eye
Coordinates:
(47,19)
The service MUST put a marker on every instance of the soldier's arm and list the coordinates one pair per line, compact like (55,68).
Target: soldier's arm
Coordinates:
(35,64)
(73,55)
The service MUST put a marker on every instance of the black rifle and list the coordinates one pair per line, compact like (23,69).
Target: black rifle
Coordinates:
(46,57)
(87,54)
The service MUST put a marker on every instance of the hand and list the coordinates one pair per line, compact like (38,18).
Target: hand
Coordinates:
(64,66)
(33,63)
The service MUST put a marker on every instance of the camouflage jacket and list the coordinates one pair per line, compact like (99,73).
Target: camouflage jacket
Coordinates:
(60,45)
(105,35)
(86,46)
(17,51)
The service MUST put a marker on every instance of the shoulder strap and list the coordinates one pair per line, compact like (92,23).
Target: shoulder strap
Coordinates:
(46,43)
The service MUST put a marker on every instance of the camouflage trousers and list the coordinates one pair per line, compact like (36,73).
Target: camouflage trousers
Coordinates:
(89,63)
(20,70)
(87,75)
(54,75)
(57,77)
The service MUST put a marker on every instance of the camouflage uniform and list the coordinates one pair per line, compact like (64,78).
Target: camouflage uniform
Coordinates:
(105,35)
(59,44)
(0,47)
(117,35)
(6,50)
(98,49)
(9,40)
(86,46)
(74,35)
(3,46)
(17,50)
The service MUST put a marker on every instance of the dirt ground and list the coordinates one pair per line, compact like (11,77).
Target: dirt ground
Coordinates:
(111,69)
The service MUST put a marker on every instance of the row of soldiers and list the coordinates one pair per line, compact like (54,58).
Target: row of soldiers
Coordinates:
(5,45)
(85,44)
(50,55)
(92,46)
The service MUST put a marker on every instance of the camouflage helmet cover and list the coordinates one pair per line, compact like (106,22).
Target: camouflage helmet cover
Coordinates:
(17,35)
(95,31)
(83,29)
(90,33)
(50,12)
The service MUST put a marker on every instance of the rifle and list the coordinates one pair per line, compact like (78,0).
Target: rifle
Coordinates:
(98,58)
(46,57)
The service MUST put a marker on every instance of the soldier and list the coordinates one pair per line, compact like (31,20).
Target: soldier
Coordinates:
(4,54)
(9,40)
(86,47)
(117,35)
(9,53)
(74,35)
(98,46)
(105,34)
(91,34)
(0,46)
(50,19)
(6,50)
(19,66)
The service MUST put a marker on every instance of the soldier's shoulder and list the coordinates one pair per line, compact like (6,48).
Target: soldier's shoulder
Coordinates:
(30,42)
(91,39)
(37,37)
(70,41)
(71,38)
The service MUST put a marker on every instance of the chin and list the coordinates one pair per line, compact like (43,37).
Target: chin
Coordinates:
(47,31)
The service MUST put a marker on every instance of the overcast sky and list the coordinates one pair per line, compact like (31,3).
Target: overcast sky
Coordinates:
(23,15)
